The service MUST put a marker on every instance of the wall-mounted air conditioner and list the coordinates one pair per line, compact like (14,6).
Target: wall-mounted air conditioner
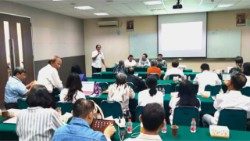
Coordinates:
(113,23)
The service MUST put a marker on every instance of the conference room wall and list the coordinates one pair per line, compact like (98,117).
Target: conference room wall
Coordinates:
(52,34)
(115,41)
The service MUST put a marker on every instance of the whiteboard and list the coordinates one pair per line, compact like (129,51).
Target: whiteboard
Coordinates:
(223,43)
(143,43)
(220,44)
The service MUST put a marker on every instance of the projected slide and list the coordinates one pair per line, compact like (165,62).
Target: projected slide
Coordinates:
(181,36)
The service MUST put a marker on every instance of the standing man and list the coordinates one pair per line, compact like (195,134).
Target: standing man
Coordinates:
(98,60)
(15,88)
(49,77)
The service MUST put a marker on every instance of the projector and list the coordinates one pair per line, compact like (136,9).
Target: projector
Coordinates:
(177,6)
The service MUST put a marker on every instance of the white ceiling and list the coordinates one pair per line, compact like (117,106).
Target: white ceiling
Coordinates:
(127,8)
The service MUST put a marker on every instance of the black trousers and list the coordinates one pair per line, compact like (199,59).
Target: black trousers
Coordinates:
(10,105)
(96,70)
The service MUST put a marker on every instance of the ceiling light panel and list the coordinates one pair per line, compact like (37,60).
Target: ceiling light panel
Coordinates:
(84,7)
(153,2)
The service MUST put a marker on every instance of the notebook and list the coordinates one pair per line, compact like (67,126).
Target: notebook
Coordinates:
(88,87)
(226,76)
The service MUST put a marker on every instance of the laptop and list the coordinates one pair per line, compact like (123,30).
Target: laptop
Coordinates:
(88,87)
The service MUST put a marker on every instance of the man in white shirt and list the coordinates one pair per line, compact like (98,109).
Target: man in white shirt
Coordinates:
(174,70)
(152,119)
(246,71)
(48,75)
(130,62)
(144,62)
(97,60)
(232,99)
(206,78)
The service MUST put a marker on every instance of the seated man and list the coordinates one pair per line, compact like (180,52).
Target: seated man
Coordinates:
(232,99)
(152,119)
(138,83)
(15,88)
(154,69)
(206,78)
(79,127)
(161,63)
(144,62)
(174,70)
(130,62)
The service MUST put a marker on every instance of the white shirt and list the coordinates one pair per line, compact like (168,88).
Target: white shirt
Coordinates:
(172,71)
(144,98)
(206,78)
(231,100)
(76,96)
(37,124)
(248,81)
(121,94)
(145,63)
(145,137)
(127,63)
(97,62)
(49,77)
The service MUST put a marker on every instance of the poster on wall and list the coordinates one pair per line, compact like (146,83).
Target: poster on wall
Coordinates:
(241,19)
(130,25)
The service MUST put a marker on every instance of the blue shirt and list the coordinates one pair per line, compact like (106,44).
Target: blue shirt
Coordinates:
(14,90)
(77,130)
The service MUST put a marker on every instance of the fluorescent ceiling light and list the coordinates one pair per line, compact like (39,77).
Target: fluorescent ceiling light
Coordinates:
(152,2)
(224,5)
(83,7)
(57,0)
(101,14)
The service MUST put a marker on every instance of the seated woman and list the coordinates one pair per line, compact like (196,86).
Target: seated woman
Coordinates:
(150,95)
(38,121)
(121,92)
(120,68)
(77,69)
(73,91)
(186,97)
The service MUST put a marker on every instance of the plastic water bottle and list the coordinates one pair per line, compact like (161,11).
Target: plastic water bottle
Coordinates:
(193,126)
(164,128)
(129,126)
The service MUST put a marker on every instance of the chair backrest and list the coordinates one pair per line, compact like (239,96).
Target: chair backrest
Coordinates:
(246,91)
(104,85)
(97,75)
(131,84)
(111,108)
(22,104)
(168,88)
(214,90)
(138,112)
(153,75)
(171,77)
(233,118)
(183,115)
(65,106)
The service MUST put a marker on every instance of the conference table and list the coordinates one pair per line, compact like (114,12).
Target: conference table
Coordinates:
(184,134)
(8,132)
(142,74)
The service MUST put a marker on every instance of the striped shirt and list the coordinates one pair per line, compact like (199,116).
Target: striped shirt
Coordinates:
(37,124)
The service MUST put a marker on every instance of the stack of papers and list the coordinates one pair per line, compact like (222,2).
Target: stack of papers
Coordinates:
(219,131)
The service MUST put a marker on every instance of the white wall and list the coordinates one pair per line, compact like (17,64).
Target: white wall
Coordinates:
(116,46)
(52,33)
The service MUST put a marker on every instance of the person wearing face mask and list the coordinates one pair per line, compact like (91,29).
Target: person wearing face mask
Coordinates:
(49,77)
